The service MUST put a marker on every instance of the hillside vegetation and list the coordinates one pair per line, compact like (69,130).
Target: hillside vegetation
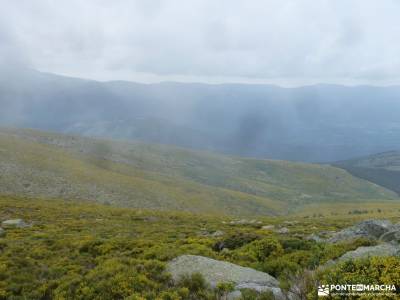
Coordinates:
(143,175)
(75,250)
(382,169)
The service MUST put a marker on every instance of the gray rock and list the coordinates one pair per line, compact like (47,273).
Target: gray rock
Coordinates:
(381,250)
(282,230)
(244,222)
(268,227)
(2,232)
(327,233)
(258,288)
(15,223)
(207,233)
(370,229)
(217,233)
(298,235)
(290,223)
(314,237)
(215,271)
(391,236)
(234,295)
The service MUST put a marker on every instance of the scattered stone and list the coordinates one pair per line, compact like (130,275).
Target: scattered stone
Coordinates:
(206,233)
(298,235)
(151,219)
(217,233)
(327,233)
(282,230)
(215,271)
(2,232)
(245,222)
(370,229)
(381,250)
(314,237)
(290,223)
(225,251)
(268,227)
(15,223)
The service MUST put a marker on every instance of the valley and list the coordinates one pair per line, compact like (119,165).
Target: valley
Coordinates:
(315,123)
(382,169)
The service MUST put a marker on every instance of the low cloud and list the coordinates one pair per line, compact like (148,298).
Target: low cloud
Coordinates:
(152,40)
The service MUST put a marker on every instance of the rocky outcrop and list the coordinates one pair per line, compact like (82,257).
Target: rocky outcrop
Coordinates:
(382,231)
(268,227)
(314,237)
(382,250)
(215,271)
(15,223)
(217,233)
(391,236)
(283,230)
(213,234)
(245,222)
(370,229)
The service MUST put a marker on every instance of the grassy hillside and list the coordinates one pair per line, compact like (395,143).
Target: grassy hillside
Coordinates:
(142,175)
(382,169)
(75,250)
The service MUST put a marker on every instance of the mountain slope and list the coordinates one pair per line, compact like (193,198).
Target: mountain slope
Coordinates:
(152,176)
(312,123)
(382,169)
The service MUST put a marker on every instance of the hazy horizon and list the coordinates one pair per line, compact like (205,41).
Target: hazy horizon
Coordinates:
(232,82)
(290,43)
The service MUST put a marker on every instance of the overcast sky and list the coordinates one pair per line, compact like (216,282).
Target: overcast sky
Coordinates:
(285,42)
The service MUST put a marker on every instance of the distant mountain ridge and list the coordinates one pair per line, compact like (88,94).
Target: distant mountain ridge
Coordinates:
(321,123)
(135,174)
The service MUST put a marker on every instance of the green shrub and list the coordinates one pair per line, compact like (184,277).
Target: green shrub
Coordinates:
(235,241)
(224,288)
(181,293)
(290,245)
(194,282)
(81,251)
(374,270)
(262,249)
(279,267)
